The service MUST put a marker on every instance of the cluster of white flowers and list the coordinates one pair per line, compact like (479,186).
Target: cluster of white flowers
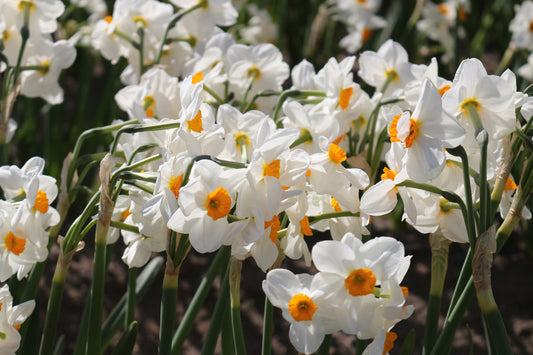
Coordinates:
(521,28)
(244,165)
(11,319)
(25,217)
(360,20)
(43,58)
(439,21)
(357,290)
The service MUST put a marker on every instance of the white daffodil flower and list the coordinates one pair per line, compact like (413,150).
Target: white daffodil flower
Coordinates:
(304,303)
(425,134)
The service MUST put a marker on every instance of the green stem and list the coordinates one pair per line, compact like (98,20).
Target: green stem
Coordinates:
(439,265)
(25,34)
(115,320)
(172,23)
(83,137)
(97,291)
(448,195)
(142,128)
(471,225)
(236,325)
(168,308)
(198,299)
(445,339)
(507,57)
(54,305)
(293,93)
(219,314)
(124,226)
(464,276)
(213,94)
(258,95)
(481,272)
(140,32)
(226,333)
(266,347)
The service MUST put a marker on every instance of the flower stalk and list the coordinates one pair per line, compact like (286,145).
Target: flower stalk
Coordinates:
(234,283)
(105,212)
(439,265)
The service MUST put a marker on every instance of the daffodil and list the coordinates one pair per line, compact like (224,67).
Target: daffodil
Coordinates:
(21,245)
(43,14)
(156,96)
(304,303)
(357,272)
(388,65)
(205,204)
(49,58)
(214,12)
(490,95)
(152,236)
(425,134)
(11,319)
(521,26)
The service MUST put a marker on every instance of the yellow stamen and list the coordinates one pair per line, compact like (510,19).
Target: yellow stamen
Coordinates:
(272,169)
(197,77)
(308,173)
(305,227)
(5,35)
(241,139)
(302,307)
(388,174)
(174,184)
(17,326)
(390,337)
(108,19)
(510,184)
(254,72)
(205,5)
(336,154)
(140,21)
(275,227)
(413,132)
(335,205)
(14,244)
(196,123)
(472,100)
(443,89)
(444,206)
(344,97)
(24,3)
(218,203)
(393,129)
(45,67)
(41,202)
(125,214)
(360,282)
(392,74)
